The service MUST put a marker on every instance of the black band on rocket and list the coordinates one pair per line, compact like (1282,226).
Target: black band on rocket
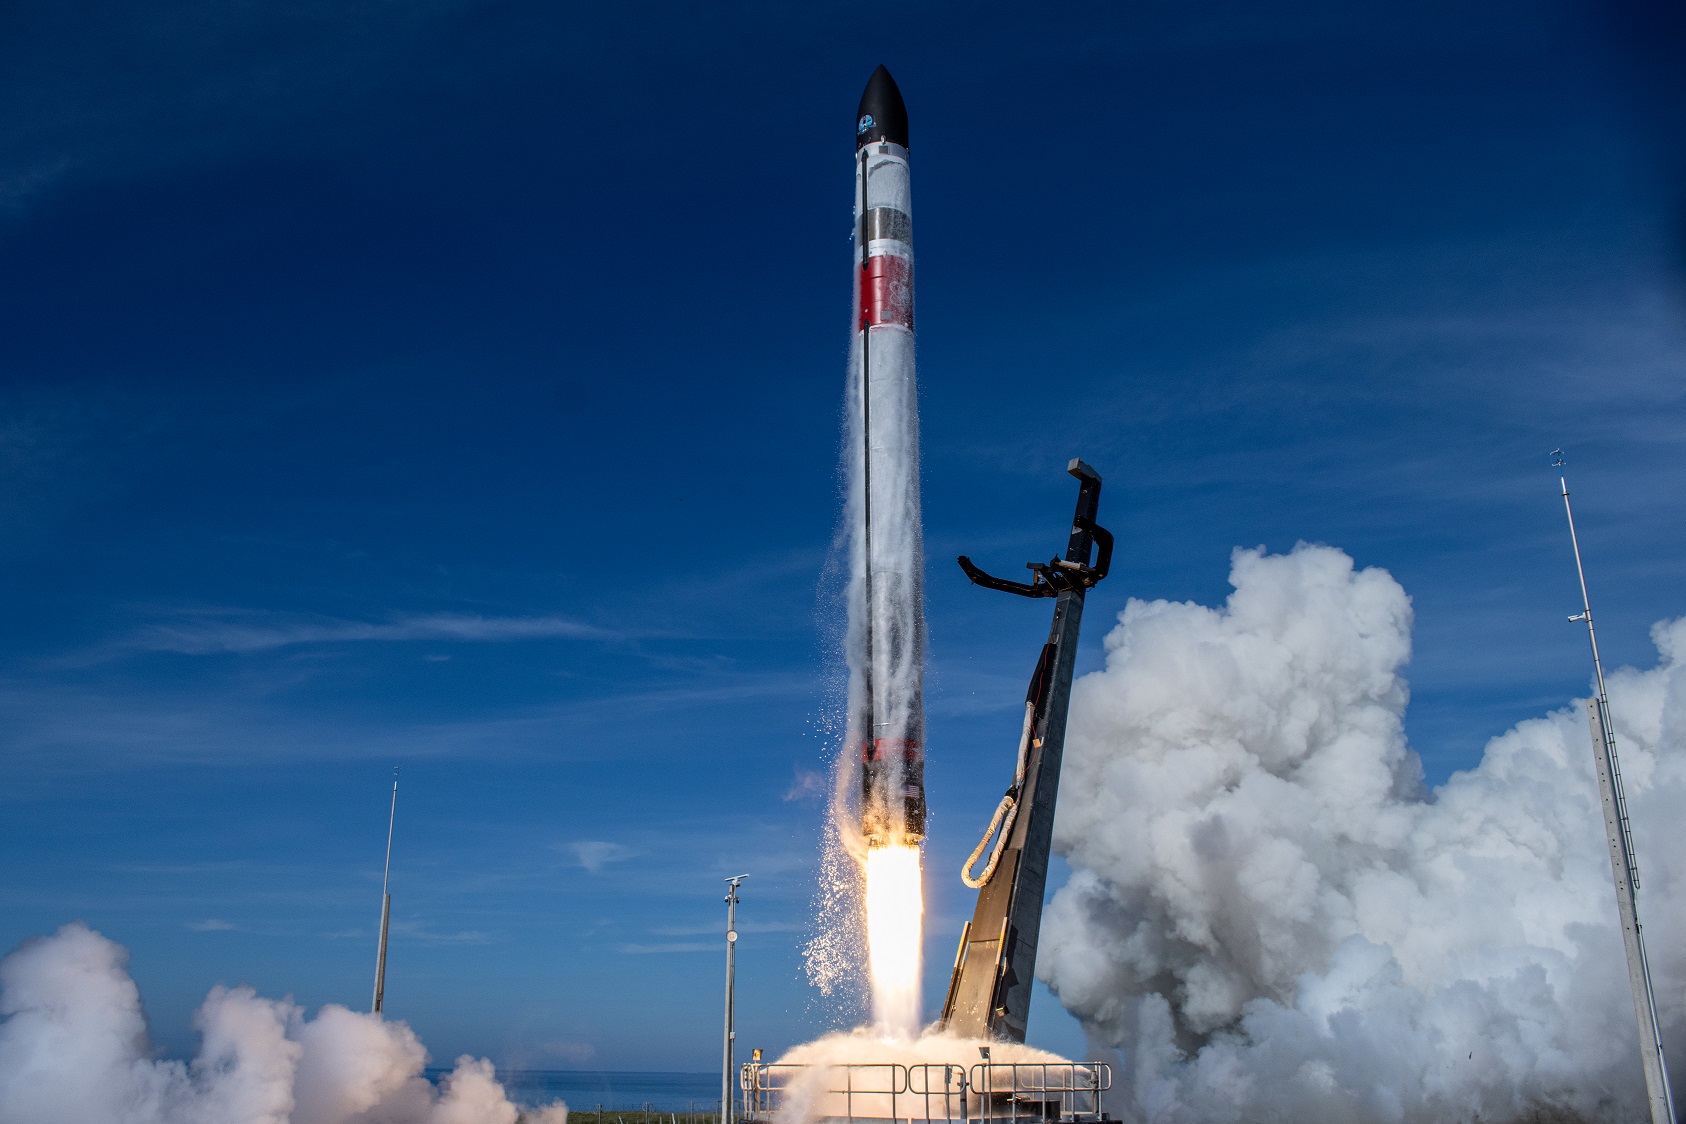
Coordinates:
(887,222)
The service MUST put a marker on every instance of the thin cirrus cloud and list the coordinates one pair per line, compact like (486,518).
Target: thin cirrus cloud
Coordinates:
(210,925)
(417,931)
(214,633)
(659,948)
(595,854)
(670,946)
(408,930)
(51,725)
(742,927)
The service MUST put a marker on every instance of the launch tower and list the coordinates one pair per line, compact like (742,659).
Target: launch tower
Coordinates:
(989,992)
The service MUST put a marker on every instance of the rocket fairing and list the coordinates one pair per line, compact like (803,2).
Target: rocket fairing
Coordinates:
(887,619)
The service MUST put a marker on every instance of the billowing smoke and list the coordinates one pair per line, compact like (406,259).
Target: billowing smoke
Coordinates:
(74,1050)
(1273,920)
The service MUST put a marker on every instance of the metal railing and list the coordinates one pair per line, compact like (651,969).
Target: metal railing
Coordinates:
(990,1092)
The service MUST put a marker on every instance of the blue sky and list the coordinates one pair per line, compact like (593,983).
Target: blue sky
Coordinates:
(457,386)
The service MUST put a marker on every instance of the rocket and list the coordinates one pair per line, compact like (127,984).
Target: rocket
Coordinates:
(886,618)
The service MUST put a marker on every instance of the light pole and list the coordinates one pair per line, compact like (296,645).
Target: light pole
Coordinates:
(731,974)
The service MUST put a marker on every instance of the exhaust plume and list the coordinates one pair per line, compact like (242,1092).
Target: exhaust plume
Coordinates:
(74,1049)
(1274,921)
(895,915)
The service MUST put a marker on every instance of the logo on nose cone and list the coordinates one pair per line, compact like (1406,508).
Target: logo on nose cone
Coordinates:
(866,123)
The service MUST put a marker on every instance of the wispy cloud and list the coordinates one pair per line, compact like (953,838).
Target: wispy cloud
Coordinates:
(595,854)
(574,1051)
(416,931)
(215,631)
(55,725)
(744,927)
(408,930)
(218,866)
(670,946)
(806,784)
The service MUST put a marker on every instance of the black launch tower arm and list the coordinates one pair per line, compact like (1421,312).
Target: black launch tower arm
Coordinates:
(1055,576)
(989,992)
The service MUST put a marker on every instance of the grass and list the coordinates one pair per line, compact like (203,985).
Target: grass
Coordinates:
(636,1114)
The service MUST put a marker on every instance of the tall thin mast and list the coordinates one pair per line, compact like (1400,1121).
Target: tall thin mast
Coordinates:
(726,1104)
(1623,863)
(386,903)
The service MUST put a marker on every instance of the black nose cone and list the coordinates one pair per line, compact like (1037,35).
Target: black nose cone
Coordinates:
(882,115)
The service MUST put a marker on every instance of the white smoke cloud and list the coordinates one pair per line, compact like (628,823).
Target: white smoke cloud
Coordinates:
(1275,922)
(74,1049)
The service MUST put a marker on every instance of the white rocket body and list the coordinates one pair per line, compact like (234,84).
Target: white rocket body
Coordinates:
(887,620)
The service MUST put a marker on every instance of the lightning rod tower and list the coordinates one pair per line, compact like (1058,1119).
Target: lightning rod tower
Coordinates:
(386,904)
(1619,833)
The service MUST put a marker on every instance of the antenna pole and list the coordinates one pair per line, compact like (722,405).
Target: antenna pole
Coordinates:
(386,904)
(731,978)
(1624,863)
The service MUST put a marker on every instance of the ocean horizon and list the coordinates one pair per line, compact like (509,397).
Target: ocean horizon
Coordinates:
(623,1090)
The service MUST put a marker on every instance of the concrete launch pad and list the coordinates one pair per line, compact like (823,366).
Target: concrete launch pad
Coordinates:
(949,1093)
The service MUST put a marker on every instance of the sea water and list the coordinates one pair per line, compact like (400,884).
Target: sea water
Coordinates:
(584,1090)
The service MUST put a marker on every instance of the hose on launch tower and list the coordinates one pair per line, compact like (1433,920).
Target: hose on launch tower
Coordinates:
(1005,812)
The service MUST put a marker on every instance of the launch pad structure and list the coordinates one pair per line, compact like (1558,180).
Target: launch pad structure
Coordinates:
(984,1093)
